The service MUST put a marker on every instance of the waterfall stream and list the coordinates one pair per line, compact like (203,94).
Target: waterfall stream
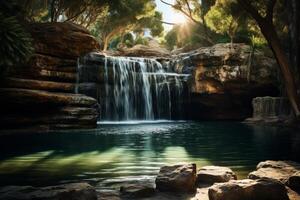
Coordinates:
(270,107)
(131,88)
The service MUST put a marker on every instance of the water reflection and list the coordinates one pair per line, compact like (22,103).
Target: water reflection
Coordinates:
(113,153)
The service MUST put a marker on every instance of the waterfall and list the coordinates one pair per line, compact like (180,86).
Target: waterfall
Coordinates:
(131,88)
(270,107)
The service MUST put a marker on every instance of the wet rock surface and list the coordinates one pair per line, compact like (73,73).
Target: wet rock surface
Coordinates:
(278,170)
(247,189)
(177,178)
(176,182)
(215,174)
(74,191)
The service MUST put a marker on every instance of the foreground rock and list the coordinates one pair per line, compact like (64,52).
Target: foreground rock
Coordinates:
(262,189)
(177,178)
(278,170)
(75,191)
(215,174)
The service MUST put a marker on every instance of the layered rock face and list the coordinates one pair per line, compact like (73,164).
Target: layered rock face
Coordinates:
(41,93)
(225,80)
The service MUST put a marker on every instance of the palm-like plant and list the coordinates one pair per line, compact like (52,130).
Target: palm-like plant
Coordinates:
(16,43)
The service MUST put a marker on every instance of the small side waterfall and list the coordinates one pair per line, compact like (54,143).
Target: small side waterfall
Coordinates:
(270,107)
(130,88)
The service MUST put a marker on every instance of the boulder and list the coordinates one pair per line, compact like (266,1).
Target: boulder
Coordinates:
(64,40)
(247,189)
(74,191)
(138,190)
(177,178)
(278,170)
(215,174)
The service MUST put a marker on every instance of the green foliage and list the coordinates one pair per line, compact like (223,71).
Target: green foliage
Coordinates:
(128,16)
(128,40)
(16,43)
(216,21)
(171,39)
(190,36)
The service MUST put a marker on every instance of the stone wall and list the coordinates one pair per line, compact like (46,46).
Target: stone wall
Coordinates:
(40,93)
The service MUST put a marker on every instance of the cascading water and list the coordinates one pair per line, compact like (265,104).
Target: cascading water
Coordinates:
(130,88)
(268,107)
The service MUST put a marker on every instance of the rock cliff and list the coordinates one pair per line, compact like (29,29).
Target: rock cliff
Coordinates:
(41,93)
(225,79)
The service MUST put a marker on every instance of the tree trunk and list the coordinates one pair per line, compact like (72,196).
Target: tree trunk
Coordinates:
(105,44)
(294,36)
(271,36)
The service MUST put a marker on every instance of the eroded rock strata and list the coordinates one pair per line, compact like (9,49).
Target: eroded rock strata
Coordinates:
(219,81)
(225,79)
(41,93)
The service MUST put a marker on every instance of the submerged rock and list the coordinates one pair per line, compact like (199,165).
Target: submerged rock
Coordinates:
(247,189)
(74,191)
(215,174)
(177,178)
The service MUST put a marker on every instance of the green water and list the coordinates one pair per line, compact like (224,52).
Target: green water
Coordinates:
(113,154)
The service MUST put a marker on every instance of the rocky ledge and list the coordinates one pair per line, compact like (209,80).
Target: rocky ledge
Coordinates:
(225,79)
(279,180)
(41,93)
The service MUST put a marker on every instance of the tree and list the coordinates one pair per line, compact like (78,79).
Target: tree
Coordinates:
(83,12)
(224,19)
(195,10)
(266,25)
(129,16)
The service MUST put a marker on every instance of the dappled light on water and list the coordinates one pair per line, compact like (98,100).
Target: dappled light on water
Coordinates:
(116,153)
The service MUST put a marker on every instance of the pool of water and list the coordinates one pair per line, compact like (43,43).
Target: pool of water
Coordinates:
(117,153)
